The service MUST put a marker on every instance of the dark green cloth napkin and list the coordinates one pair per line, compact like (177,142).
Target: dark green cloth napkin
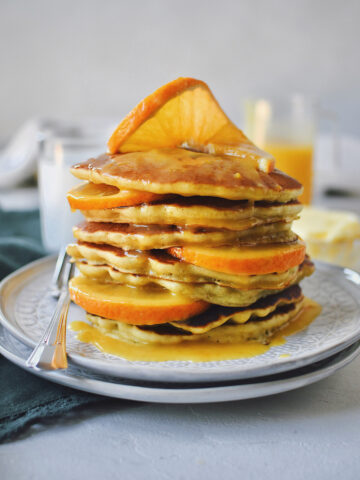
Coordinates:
(25,398)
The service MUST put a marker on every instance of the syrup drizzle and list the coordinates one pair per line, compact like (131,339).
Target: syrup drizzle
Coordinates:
(197,351)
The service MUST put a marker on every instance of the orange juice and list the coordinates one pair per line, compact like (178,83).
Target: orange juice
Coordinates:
(296,161)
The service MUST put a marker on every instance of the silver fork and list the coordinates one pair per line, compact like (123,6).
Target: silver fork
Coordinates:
(57,278)
(50,352)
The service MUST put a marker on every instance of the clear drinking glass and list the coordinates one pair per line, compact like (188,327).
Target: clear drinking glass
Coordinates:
(285,127)
(58,152)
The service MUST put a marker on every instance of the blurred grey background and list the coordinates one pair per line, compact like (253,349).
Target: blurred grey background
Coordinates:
(72,58)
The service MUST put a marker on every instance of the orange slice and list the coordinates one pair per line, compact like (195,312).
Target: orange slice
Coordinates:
(244,260)
(136,306)
(184,113)
(89,196)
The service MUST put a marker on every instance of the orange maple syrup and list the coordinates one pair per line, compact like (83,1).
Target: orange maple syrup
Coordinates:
(196,351)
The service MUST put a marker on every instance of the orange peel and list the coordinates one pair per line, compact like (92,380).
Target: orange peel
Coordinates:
(184,113)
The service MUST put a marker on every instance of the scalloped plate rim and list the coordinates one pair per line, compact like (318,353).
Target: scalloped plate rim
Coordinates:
(189,394)
(166,370)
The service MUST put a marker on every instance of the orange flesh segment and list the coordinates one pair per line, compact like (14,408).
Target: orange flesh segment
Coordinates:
(244,260)
(184,113)
(93,196)
(136,306)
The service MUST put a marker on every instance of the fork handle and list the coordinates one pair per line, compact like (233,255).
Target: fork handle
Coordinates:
(50,352)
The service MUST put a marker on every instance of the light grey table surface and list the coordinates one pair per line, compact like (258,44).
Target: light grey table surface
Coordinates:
(310,433)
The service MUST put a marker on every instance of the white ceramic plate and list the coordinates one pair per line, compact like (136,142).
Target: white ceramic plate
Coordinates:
(89,381)
(26,307)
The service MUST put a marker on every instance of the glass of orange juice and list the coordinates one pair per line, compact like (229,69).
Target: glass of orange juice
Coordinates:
(285,127)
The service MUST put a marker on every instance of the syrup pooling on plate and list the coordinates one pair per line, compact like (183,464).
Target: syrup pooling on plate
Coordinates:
(194,351)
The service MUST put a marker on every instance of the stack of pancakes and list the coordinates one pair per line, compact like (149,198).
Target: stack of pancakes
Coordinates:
(199,202)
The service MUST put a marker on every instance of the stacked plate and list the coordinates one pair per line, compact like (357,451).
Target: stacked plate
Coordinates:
(329,343)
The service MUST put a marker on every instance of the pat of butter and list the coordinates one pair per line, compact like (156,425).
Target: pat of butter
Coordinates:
(328,226)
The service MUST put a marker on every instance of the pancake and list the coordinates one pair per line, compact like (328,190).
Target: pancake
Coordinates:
(146,237)
(159,264)
(206,211)
(189,173)
(212,195)
(263,322)
(209,292)
(217,315)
